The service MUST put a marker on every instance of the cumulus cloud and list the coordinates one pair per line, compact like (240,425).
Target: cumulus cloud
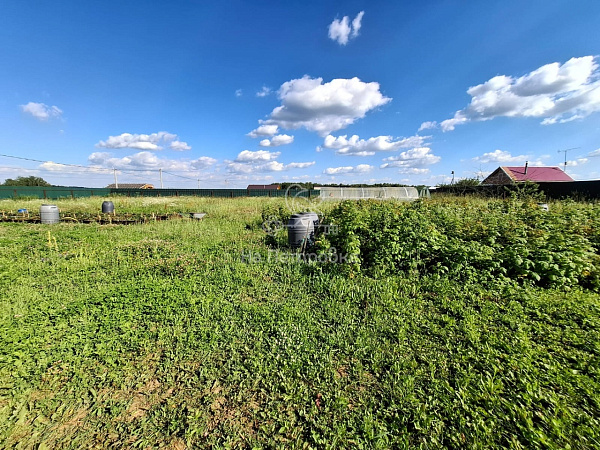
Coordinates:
(145,141)
(449,124)
(414,171)
(322,107)
(264,130)
(299,165)
(361,168)
(416,158)
(361,147)
(263,92)
(260,155)
(342,30)
(276,141)
(577,162)
(500,156)
(149,161)
(236,167)
(428,125)
(239,93)
(41,111)
(261,161)
(271,166)
(557,93)
(51,166)
(179,146)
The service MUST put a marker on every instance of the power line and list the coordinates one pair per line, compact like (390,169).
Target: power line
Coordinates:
(52,162)
(95,169)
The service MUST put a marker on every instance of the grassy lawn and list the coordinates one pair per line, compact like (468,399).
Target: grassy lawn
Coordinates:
(167,335)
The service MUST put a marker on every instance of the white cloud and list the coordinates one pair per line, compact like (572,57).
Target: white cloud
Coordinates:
(594,153)
(341,30)
(361,147)
(356,23)
(51,166)
(361,168)
(263,92)
(428,125)
(416,158)
(558,93)
(500,156)
(144,141)
(450,124)
(260,155)
(41,111)
(149,161)
(300,165)
(323,108)
(414,170)
(179,146)
(239,93)
(263,130)
(270,166)
(261,161)
(577,162)
(276,141)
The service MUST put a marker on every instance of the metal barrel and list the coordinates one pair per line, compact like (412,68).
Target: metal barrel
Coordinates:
(49,214)
(108,207)
(301,228)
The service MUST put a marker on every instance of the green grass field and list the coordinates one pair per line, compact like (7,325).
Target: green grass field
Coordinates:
(167,335)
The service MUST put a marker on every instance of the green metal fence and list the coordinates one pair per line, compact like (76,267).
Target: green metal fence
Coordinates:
(55,192)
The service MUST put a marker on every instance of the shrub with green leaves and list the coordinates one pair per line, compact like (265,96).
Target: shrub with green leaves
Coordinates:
(469,239)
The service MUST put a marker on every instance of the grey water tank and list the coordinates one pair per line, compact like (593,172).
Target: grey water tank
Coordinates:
(108,207)
(301,228)
(49,214)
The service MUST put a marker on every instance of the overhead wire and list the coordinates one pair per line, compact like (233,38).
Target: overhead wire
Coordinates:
(96,169)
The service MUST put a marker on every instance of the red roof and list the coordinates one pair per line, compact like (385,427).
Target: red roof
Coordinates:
(537,174)
(263,186)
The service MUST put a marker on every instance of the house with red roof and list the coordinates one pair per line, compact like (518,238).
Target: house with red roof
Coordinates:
(510,175)
(260,187)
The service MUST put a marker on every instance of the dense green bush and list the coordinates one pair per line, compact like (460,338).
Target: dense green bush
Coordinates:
(472,240)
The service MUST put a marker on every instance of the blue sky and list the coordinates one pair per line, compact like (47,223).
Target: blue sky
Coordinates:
(243,92)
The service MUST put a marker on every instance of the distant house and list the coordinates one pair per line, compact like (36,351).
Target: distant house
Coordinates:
(510,175)
(131,186)
(273,187)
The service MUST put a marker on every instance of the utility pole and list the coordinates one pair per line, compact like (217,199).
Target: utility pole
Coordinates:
(565,152)
(116,182)
(161,183)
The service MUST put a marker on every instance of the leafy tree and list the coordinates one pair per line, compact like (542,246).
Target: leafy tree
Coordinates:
(468,182)
(464,182)
(26,181)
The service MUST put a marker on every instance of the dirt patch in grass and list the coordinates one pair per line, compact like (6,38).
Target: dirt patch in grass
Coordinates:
(145,399)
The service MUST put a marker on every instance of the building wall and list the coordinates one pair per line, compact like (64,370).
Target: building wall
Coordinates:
(498,177)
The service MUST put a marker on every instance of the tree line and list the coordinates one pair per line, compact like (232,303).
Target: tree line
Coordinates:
(25,181)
